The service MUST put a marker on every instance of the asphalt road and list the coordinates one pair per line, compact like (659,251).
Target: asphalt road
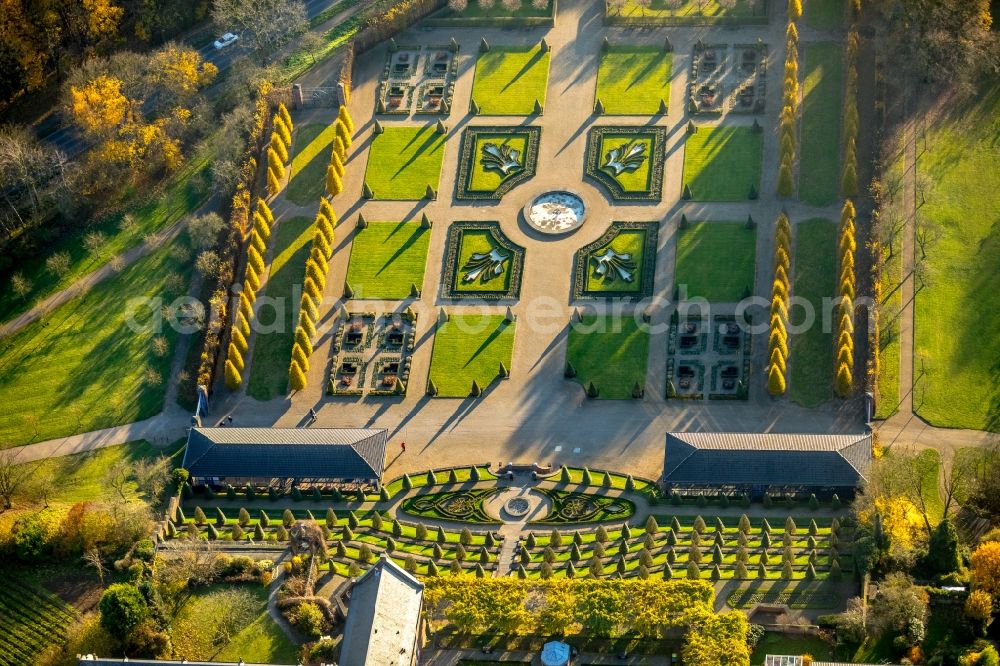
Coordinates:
(67,138)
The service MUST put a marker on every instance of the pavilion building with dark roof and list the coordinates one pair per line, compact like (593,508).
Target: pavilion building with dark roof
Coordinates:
(240,456)
(755,464)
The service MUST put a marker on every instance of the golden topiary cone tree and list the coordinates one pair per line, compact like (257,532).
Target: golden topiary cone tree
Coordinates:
(296,377)
(786,182)
(776,382)
(286,117)
(344,115)
(844,383)
(233,377)
(278,146)
(794,10)
(334,185)
(234,356)
(776,360)
(273,183)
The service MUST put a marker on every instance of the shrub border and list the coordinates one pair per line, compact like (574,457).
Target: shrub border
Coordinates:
(438,21)
(657,159)
(659,21)
(582,256)
(467,158)
(452,254)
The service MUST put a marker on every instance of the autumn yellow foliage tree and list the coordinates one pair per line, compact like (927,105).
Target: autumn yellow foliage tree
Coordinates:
(986,567)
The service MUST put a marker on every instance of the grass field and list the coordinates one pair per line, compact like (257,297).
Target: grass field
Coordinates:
(30,620)
(822,93)
(958,309)
(182,194)
(312,155)
(89,365)
(722,163)
(814,278)
(480,241)
(776,643)
(487,180)
(403,161)
(716,261)
(692,9)
(609,351)
(629,241)
(470,347)
(889,351)
(634,80)
(631,181)
(509,79)
(387,258)
(824,14)
(272,347)
(230,623)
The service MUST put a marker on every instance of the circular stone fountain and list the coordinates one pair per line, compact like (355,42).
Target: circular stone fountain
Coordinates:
(517,507)
(556,212)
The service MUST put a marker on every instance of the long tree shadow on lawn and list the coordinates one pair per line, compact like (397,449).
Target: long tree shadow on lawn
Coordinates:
(524,69)
(497,332)
(407,244)
(419,151)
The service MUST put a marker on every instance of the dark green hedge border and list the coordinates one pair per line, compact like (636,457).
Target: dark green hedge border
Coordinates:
(610,18)
(599,513)
(452,256)
(657,157)
(581,261)
(432,505)
(440,19)
(467,161)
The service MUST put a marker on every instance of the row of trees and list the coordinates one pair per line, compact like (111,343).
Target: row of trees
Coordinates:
(789,104)
(279,149)
(318,263)
(260,233)
(846,287)
(777,342)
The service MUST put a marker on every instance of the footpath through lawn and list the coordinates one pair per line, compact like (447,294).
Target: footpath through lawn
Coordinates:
(100,360)
(957,306)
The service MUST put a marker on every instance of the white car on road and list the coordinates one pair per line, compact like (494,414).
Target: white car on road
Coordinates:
(226,40)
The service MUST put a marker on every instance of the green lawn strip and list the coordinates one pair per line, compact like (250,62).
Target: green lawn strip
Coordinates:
(272,350)
(86,366)
(716,261)
(889,348)
(631,181)
(611,352)
(195,629)
(957,311)
(824,14)
(691,9)
(510,79)
(467,348)
(822,92)
(480,241)
(183,192)
(462,475)
(618,481)
(929,464)
(815,276)
(387,260)
(634,80)
(776,643)
(403,161)
(722,162)
(487,180)
(330,12)
(631,242)
(308,171)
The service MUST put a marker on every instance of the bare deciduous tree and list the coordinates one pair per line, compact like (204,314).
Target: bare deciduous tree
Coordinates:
(92,558)
(13,476)
(263,24)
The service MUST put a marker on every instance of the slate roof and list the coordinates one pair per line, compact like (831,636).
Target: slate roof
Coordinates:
(382,618)
(767,459)
(313,453)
